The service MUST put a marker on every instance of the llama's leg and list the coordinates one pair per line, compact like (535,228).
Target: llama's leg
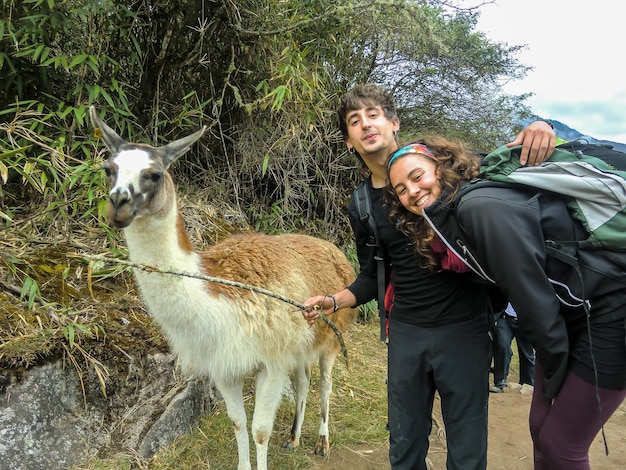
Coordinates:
(269,390)
(327,361)
(232,392)
(302,379)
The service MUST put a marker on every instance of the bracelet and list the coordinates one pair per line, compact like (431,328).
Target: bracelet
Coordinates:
(335,306)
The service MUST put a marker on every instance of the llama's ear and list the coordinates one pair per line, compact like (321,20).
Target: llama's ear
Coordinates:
(173,150)
(111,139)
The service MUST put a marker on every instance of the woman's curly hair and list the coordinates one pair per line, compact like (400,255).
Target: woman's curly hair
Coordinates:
(455,163)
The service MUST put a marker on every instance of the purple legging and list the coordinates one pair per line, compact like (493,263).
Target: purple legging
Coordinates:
(563,432)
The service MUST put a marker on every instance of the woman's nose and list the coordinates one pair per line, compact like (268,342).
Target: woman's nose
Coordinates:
(413,189)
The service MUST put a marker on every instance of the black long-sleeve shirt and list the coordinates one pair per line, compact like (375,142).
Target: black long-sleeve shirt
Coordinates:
(422,297)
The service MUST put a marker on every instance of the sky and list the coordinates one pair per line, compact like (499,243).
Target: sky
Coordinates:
(576,50)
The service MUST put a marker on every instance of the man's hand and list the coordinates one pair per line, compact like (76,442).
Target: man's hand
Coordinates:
(316,304)
(537,141)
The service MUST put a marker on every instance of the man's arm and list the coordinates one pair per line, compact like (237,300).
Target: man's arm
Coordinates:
(537,141)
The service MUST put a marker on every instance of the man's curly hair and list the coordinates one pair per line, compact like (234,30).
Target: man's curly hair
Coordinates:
(455,164)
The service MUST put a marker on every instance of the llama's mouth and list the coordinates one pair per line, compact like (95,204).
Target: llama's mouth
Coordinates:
(120,223)
(120,217)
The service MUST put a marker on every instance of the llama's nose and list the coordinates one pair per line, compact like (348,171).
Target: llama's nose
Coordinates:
(118,198)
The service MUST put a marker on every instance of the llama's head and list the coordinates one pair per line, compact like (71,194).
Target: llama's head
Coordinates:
(137,173)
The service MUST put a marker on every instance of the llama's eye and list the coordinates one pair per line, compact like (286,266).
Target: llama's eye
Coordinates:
(107,171)
(155,177)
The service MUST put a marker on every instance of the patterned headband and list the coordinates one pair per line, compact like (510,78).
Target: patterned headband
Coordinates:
(415,148)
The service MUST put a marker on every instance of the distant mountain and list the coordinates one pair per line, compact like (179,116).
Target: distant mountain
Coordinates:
(565,132)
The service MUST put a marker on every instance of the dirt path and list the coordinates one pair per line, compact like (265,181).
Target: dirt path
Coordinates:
(510,445)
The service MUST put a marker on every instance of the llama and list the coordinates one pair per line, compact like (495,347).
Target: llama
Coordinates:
(219,331)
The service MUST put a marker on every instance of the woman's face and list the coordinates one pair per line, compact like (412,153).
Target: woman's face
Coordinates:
(414,181)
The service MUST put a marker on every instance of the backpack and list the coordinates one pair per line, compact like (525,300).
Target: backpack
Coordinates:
(592,180)
(595,186)
(384,292)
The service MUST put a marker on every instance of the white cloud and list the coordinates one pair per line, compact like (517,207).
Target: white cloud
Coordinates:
(574,48)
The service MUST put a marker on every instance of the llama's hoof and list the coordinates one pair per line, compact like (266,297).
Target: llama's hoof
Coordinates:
(289,445)
(322,448)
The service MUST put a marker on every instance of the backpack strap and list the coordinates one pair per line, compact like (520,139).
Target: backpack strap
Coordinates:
(364,209)
(605,152)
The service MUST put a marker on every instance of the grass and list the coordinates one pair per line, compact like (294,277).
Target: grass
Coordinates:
(358,414)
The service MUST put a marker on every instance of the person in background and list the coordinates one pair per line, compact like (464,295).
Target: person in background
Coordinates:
(580,373)
(506,329)
(438,330)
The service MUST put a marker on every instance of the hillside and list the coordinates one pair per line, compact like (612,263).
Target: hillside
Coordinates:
(565,132)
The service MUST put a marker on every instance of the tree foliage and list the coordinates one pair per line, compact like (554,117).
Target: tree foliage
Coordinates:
(264,76)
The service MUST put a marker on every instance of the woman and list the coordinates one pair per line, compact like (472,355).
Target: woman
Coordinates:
(580,377)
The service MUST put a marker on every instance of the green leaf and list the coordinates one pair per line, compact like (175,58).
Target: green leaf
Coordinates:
(79,59)
(68,332)
(38,51)
(32,295)
(266,161)
(107,97)
(10,153)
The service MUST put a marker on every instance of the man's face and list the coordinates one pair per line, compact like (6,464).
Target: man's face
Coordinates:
(370,132)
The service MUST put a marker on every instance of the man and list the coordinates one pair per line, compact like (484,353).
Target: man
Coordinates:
(438,333)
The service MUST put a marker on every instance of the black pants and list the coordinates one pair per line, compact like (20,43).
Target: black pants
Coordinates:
(454,361)
(507,328)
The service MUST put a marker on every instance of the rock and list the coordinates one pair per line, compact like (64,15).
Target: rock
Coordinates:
(526,389)
(48,422)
